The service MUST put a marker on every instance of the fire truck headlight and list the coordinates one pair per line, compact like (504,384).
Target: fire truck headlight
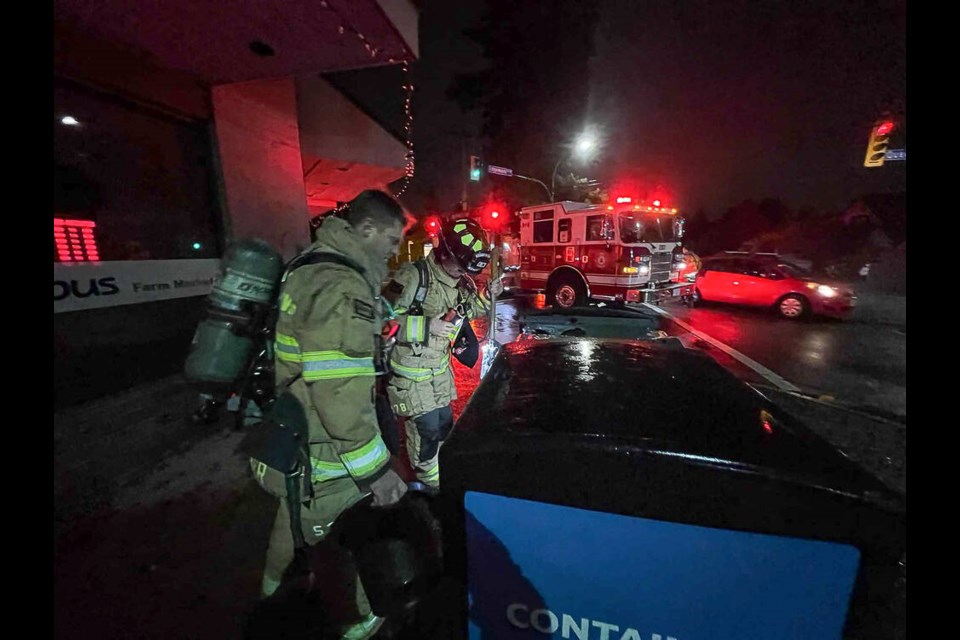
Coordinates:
(643,269)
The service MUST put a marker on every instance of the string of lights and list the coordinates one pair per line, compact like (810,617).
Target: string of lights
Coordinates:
(407,129)
(344,28)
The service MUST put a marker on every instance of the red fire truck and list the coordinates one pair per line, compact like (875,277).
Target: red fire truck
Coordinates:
(625,251)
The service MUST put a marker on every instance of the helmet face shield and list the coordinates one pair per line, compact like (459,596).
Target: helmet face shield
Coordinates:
(480,260)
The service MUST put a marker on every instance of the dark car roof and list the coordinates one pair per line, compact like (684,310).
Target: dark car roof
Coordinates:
(655,396)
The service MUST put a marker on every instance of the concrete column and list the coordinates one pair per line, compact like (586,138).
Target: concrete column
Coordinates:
(259,145)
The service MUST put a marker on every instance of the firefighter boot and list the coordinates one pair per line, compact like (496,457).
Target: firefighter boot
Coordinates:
(364,629)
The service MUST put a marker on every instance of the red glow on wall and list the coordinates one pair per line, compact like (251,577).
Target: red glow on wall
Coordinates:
(74,240)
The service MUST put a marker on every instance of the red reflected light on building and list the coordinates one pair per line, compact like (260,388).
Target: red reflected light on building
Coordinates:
(74,240)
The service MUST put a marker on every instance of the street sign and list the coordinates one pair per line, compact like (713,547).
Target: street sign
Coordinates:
(500,171)
(896,154)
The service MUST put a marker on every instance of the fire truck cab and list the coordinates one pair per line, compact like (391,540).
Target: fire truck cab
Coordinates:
(627,251)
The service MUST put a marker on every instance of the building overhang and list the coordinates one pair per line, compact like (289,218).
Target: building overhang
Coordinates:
(247,40)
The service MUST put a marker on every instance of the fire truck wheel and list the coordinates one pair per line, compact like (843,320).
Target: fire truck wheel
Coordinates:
(566,292)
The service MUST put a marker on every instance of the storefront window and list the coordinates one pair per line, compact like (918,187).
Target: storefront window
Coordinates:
(129,183)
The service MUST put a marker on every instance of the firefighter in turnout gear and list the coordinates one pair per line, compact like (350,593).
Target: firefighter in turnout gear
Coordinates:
(432,299)
(329,320)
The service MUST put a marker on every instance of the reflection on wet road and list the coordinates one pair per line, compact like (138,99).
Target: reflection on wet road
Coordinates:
(858,364)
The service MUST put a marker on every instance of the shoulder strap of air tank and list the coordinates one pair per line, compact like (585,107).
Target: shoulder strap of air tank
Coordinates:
(319,257)
(422,285)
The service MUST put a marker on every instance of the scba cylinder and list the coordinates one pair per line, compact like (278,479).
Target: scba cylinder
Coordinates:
(235,312)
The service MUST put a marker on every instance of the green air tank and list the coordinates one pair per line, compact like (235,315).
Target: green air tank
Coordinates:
(237,309)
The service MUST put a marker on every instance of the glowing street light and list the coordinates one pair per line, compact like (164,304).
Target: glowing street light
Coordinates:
(585,145)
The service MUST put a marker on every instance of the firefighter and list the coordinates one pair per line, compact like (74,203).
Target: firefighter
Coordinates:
(432,299)
(326,337)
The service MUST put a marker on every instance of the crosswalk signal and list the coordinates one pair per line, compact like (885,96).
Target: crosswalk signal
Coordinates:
(879,141)
(476,169)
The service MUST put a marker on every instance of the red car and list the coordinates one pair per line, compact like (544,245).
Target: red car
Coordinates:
(767,282)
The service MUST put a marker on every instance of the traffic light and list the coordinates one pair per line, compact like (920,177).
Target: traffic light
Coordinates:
(879,141)
(493,217)
(476,169)
(432,226)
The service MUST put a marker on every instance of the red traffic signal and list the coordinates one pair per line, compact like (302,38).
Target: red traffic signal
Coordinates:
(493,216)
(878,143)
(432,226)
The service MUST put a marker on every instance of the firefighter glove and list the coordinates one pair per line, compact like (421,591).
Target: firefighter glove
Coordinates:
(387,489)
(441,328)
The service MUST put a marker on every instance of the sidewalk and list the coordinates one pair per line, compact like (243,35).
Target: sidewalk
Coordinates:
(158,530)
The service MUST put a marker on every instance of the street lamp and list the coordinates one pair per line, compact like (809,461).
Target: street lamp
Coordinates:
(583,148)
(585,145)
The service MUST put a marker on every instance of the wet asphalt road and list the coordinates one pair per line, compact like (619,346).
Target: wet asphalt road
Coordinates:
(854,363)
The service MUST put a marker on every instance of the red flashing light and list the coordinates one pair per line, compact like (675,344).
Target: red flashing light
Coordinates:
(624,200)
(884,128)
(656,203)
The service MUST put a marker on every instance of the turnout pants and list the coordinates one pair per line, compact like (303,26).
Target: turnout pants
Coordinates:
(425,436)
(336,583)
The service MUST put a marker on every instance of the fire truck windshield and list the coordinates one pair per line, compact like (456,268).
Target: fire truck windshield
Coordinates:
(646,227)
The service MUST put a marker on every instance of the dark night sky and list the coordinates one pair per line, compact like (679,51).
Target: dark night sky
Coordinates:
(716,101)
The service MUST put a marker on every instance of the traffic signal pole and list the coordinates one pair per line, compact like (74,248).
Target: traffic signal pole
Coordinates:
(463,195)
(489,350)
(494,274)
(545,187)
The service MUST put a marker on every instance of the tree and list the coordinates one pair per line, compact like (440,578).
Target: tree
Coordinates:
(776,213)
(740,223)
(528,92)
